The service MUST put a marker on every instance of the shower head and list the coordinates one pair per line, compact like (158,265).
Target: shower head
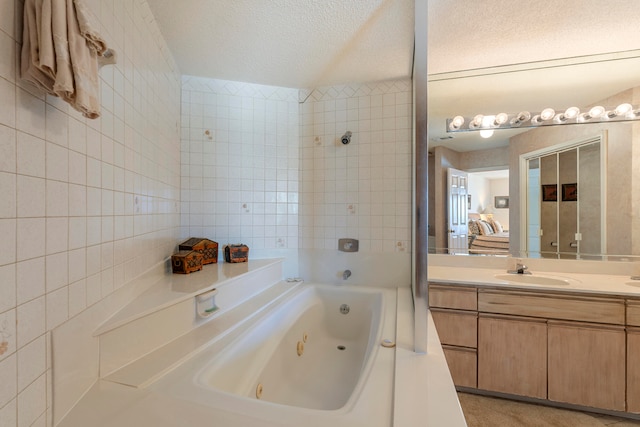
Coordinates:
(346,138)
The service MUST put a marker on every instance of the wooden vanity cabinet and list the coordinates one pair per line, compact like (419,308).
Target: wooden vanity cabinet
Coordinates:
(454,313)
(584,348)
(579,349)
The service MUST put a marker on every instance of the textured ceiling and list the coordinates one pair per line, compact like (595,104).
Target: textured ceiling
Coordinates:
(309,43)
(465,35)
(291,43)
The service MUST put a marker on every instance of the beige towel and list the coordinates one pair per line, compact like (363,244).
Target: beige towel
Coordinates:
(60,52)
(88,28)
(37,63)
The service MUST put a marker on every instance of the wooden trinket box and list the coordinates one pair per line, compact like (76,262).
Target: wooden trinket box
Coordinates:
(208,248)
(185,262)
(236,253)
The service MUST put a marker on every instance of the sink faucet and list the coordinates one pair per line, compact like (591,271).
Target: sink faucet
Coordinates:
(520,269)
(346,274)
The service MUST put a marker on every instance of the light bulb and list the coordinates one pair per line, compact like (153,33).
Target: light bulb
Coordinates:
(500,119)
(456,123)
(522,116)
(596,112)
(571,112)
(621,110)
(547,114)
(476,122)
(486,133)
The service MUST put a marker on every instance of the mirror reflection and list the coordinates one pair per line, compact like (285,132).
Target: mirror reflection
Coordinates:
(554,191)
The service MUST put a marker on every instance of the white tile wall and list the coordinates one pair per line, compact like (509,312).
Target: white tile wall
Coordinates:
(264,165)
(86,204)
(240,163)
(361,190)
(248,177)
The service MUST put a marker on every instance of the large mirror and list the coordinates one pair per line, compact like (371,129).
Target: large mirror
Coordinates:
(521,179)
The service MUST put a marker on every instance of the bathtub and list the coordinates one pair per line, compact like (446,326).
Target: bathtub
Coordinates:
(315,359)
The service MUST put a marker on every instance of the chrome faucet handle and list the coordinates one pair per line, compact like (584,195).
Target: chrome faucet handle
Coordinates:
(520,269)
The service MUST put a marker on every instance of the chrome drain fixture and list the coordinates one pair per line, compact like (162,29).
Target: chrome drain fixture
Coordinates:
(344,308)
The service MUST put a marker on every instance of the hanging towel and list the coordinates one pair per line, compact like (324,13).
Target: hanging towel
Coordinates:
(60,51)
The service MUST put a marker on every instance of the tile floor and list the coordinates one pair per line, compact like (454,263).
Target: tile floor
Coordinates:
(483,411)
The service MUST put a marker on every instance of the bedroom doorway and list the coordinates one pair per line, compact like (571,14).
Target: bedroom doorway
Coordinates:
(484,187)
(488,212)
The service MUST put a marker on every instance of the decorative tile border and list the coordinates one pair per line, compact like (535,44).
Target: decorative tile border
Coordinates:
(323,93)
(227,87)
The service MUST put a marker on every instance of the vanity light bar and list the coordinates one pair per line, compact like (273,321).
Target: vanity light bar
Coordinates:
(546,117)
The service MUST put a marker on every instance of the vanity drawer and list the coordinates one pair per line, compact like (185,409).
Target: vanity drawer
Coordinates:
(633,313)
(456,297)
(456,327)
(553,306)
(463,365)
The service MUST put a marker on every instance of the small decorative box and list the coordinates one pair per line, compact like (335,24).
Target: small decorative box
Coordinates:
(208,248)
(185,262)
(236,253)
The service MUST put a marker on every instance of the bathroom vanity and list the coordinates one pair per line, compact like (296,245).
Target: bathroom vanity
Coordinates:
(572,342)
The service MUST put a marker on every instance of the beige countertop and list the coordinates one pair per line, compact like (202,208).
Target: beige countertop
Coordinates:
(464,271)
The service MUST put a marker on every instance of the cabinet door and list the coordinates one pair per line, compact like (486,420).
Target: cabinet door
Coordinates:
(633,370)
(512,355)
(587,364)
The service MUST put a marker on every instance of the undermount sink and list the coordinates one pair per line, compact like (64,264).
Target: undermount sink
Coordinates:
(533,279)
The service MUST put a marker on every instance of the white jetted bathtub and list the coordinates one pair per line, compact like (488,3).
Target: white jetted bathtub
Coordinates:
(294,354)
(317,355)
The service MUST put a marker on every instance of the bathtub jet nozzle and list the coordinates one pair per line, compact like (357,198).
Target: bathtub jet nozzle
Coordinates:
(346,138)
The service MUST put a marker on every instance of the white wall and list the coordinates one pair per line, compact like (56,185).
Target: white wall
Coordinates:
(480,191)
(500,187)
(86,204)
(483,192)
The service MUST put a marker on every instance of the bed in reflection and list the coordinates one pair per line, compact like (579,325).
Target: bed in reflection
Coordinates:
(487,236)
